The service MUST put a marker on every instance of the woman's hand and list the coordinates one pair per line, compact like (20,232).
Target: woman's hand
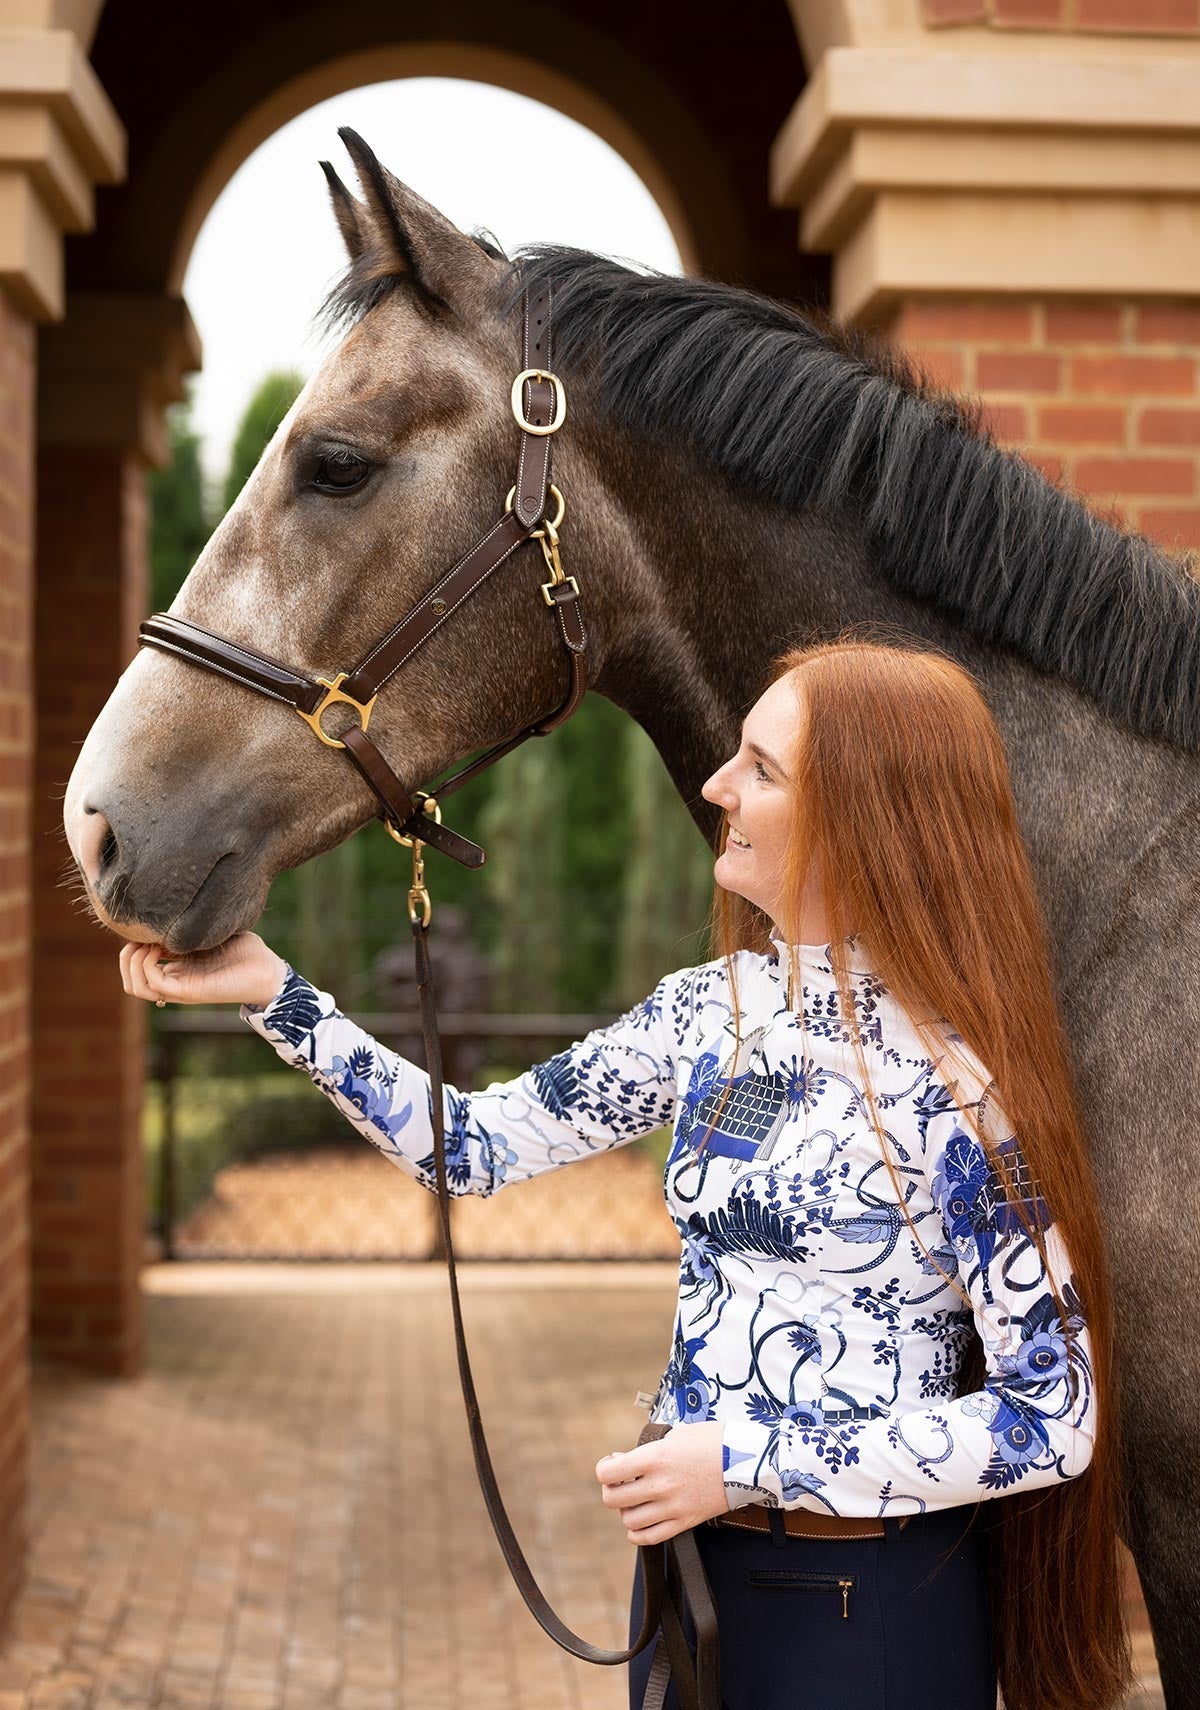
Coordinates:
(669,1485)
(242,970)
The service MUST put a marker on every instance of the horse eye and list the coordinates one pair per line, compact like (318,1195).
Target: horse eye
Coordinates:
(340,472)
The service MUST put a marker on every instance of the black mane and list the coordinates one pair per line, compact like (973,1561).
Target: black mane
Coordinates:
(805,413)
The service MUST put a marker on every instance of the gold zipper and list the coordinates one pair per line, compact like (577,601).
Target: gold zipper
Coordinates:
(847,1586)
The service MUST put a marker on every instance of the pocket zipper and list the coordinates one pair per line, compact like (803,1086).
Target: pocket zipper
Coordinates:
(795,1579)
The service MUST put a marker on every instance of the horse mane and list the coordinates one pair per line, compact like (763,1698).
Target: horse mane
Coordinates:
(804,413)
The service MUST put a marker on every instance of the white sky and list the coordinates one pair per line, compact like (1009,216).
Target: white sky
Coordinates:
(269,249)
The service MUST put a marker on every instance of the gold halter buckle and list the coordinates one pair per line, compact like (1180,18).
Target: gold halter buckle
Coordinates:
(560,401)
(333,694)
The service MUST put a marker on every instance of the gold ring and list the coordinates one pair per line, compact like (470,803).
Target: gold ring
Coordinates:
(555,522)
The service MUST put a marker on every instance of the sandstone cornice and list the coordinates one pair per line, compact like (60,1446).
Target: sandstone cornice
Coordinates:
(955,171)
(59,136)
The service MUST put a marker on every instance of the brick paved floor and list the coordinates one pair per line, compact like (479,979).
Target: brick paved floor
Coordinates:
(282,1513)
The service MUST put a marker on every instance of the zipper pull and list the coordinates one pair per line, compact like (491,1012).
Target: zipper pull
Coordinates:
(846,1585)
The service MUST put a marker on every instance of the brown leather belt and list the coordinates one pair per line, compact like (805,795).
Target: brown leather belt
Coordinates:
(804,1522)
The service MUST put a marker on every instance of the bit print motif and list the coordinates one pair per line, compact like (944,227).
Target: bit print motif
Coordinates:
(808,1320)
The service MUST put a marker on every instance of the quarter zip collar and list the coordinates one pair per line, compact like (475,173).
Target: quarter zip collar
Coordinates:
(813,959)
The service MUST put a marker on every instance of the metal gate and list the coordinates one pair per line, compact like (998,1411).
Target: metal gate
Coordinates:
(248,1160)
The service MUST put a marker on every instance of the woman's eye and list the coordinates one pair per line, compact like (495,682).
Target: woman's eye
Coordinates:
(762,771)
(340,472)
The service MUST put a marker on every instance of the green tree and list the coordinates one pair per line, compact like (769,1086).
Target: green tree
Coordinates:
(179,513)
(522,828)
(668,876)
(271,400)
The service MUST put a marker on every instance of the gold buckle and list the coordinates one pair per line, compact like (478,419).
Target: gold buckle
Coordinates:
(406,840)
(333,694)
(560,400)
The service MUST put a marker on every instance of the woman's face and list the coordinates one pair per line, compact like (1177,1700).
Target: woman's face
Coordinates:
(756,794)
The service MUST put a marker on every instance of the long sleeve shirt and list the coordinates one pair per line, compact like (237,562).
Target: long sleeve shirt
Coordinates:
(808,1320)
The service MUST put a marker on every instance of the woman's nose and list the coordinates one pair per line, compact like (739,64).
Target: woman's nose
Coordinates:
(715,790)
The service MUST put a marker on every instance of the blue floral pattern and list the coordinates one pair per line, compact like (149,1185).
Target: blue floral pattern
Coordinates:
(808,1321)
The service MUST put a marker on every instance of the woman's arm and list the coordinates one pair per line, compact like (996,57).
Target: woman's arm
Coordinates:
(1033,1422)
(610,1087)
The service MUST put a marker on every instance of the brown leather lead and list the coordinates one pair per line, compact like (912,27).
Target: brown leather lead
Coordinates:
(698,1689)
(673,1571)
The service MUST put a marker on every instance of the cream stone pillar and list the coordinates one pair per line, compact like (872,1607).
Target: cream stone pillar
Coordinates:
(1022,207)
(59,136)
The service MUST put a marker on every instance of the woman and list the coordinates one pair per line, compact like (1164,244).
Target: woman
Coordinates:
(890,1311)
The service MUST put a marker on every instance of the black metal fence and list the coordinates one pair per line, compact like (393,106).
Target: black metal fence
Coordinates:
(248,1160)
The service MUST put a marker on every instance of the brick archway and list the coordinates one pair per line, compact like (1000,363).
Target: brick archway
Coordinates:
(944,153)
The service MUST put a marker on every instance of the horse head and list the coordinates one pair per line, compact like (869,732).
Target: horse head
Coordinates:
(189,794)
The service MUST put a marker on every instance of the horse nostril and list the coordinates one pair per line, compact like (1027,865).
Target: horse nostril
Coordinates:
(98,846)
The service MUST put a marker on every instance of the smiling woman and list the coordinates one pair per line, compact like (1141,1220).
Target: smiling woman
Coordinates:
(753,789)
(802,1406)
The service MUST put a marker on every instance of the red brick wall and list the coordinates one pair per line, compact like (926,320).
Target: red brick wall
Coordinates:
(1129,17)
(87,1206)
(16,530)
(1103,396)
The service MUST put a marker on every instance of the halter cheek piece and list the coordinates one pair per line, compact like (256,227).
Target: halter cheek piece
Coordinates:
(539,404)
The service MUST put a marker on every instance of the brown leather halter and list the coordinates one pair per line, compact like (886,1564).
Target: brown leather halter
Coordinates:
(539,405)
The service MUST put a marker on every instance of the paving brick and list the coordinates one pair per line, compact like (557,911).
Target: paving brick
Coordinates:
(282,1514)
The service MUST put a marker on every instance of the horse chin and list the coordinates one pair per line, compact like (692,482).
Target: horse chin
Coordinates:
(220,909)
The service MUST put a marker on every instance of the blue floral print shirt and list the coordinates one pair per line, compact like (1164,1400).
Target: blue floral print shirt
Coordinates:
(808,1319)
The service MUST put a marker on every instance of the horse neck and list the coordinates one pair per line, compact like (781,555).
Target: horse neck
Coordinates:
(691,597)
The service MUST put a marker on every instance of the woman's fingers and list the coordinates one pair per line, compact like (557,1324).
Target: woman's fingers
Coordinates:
(641,1514)
(142,967)
(225,973)
(652,1535)
(142,974)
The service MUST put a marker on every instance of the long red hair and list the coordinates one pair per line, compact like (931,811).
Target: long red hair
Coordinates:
(903,808)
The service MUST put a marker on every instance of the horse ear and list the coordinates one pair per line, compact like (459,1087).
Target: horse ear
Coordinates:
(409,236)
(348,213)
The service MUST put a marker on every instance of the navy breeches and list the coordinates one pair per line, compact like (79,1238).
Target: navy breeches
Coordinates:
(911,1626)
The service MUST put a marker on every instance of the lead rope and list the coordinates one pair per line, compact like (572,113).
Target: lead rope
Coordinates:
(697,1683)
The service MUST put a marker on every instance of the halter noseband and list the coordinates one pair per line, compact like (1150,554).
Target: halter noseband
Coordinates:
(539,404)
